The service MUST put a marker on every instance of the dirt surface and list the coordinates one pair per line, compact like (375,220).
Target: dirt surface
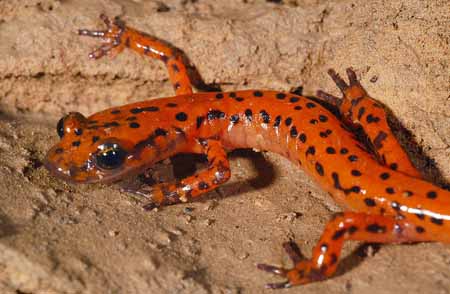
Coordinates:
(61,238)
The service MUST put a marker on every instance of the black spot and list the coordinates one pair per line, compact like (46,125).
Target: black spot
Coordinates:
(437,221)
(370,202)
(179,131)
(375,228)
(203,185)
(432,195)
(384,176)
(356,173)
(175,68)
(239,99)
(298,107)
(151,109)
(219,95)
(131,118)
(234,118)
(339,234)
(344,150)
(313,121)
(215,114)
(323,134)
(352,229)
(277,122)
(420,215)
(177,85)
(390,190)
(352,158)
(78,132)
(331,150)
(59,150)
(280,96)
(95,139)
(171,105)
(302,138)
(393,166)
(265,116)
(115,111)
(136,110)
(160,132)
(92,122)
(257,93)
(407,193)
(288,121)
(323,118)
(164,58)
(378,139)
(134,125)
(76,143)
(294,99)
(337,183)
(420,229)
(293,132)
(354,189)
(248,114)
(199,122)
(372,119)
(356,101)
(361,112)
(319,169)
(111,124)
(310,105)
(311,150)
(181,116)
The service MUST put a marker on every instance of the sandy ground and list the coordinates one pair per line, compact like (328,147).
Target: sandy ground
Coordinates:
(61,238)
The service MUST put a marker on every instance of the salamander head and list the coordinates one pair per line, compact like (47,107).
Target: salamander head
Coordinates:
(89,151)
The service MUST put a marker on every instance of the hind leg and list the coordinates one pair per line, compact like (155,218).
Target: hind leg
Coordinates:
(358,108)
(343,227)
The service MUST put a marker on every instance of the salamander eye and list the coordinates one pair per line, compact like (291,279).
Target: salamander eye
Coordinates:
(110,156)
(60,127)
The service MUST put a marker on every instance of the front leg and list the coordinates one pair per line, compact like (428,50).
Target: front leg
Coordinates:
(217,173)
(117,37)
(343,227)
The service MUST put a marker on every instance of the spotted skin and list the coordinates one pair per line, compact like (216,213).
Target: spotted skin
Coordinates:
(385,197)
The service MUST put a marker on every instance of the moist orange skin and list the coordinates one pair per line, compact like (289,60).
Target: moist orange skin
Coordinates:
(385,197)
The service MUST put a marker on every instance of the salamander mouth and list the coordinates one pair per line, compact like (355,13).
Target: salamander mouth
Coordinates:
(73,175)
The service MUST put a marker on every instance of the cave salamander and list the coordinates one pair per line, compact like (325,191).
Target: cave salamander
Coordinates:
(385,197)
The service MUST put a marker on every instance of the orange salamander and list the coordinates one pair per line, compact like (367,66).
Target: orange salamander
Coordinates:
(385,197)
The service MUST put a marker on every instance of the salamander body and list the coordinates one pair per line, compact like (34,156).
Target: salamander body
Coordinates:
(385,197)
